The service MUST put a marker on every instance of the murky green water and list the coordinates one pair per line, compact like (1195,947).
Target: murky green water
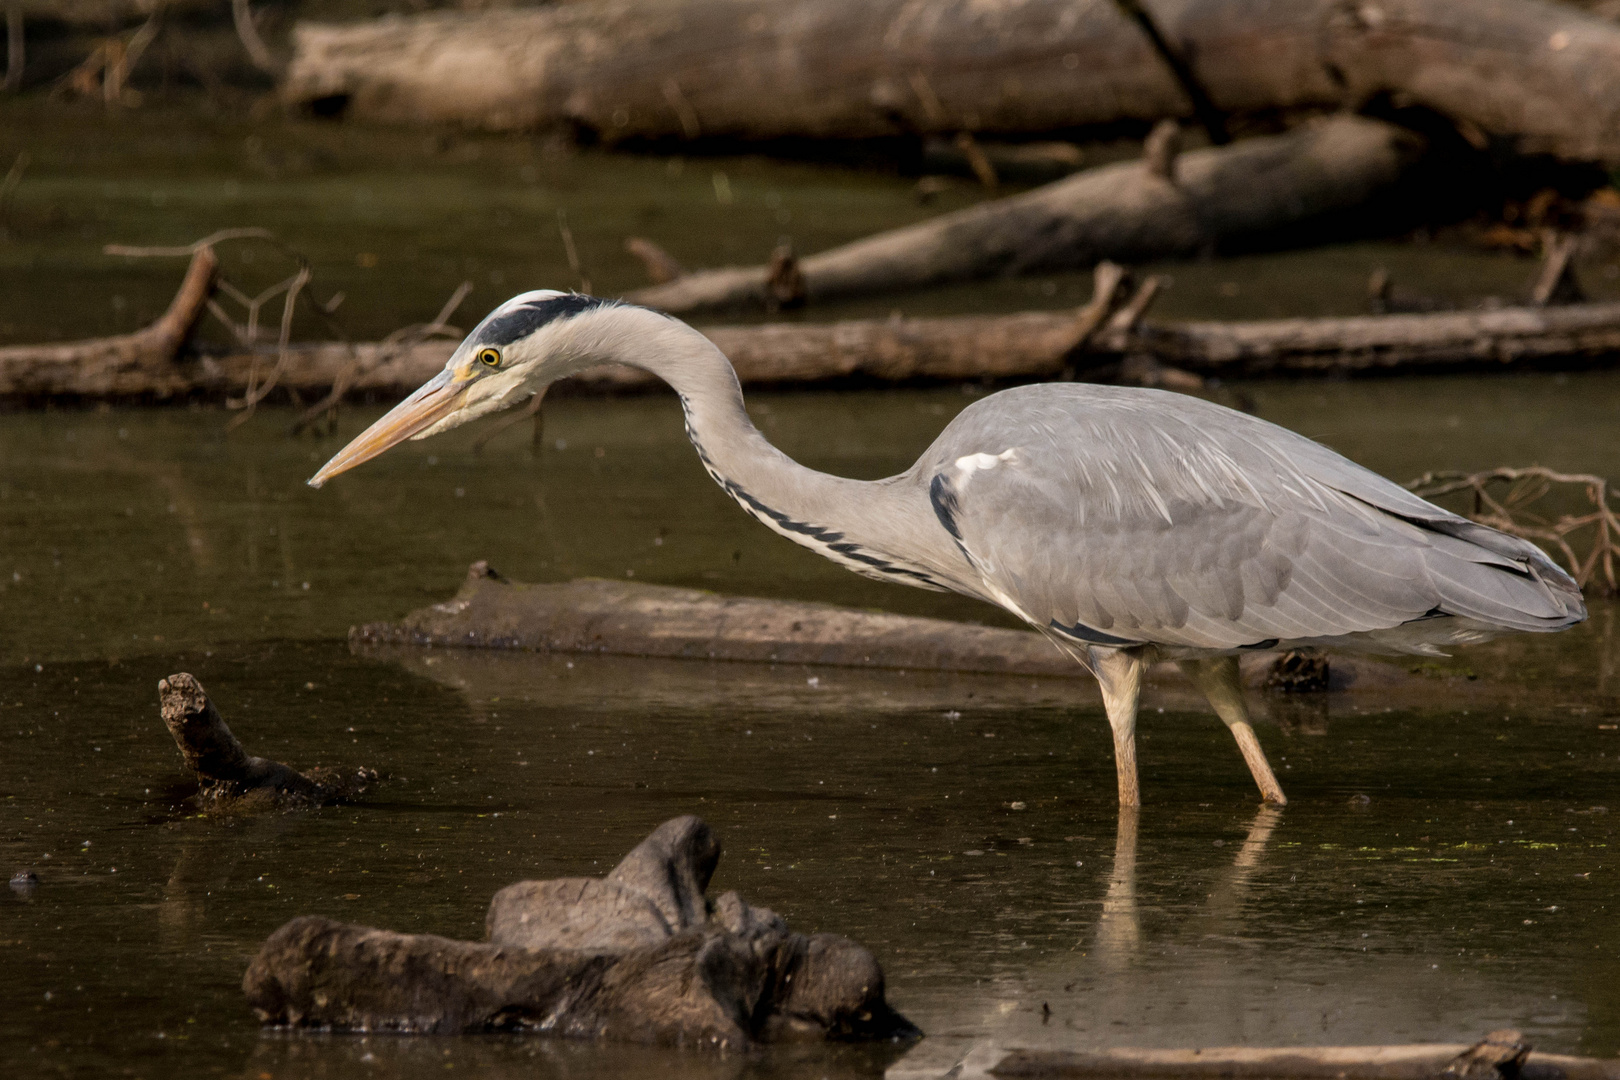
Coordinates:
(1471,891)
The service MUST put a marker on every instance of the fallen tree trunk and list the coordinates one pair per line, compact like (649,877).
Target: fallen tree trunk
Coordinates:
(1026,345)
(1129,212)
(1543,76)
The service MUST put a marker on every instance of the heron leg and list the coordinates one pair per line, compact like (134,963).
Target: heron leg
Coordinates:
(1120,676)
(1217,677)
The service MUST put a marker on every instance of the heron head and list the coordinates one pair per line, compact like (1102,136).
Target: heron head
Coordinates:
(519,349)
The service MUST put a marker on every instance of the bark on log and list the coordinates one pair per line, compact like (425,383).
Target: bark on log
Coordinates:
(1542,75)
(129,364)
(1126,212)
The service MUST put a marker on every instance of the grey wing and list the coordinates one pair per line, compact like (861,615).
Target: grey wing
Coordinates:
(1120,517)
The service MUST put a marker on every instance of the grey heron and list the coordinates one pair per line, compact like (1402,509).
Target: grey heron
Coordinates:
(1127,525)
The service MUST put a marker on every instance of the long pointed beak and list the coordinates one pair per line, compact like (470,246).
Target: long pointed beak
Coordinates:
(432,402)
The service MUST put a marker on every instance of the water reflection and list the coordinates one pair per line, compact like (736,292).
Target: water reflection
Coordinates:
(1213,973)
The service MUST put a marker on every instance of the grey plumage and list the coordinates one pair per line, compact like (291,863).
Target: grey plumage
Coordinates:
(1155,518)
(1128,525)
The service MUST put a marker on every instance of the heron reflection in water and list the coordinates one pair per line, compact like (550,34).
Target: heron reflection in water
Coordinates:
(1127,525)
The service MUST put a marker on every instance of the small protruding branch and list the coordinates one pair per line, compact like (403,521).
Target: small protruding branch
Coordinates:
(575,263)
(977,160)
(661,265)
(682,108)
(1160,150)
(784,282)
(1108,283)
(1203,108)
(8,188)
(15,56)
(1126,318)
(251,41)
(1556,282)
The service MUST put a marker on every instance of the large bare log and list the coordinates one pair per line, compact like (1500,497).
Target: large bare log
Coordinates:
(1130,211)
(1543,75)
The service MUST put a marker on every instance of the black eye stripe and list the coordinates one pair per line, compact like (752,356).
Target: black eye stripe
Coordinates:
(520,322)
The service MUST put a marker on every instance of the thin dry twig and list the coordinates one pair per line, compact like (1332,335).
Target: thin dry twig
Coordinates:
(517,417)
(257,51)
(574,262)
(248,233)
(1512,511)
(8,188)
(15,49)
(255,394)
(394,344)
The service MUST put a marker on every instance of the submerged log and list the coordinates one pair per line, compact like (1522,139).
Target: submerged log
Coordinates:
(231,779)
(1421,1061)
(624,618)
(640,955)
(1130,211)
(632,619)
(1541,76)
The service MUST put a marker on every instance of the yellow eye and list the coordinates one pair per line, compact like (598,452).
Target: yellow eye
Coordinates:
(489,357)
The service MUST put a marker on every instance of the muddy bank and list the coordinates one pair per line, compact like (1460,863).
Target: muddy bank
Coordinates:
(641,955)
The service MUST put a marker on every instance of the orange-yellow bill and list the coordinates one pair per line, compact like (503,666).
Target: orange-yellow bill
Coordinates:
(432,402)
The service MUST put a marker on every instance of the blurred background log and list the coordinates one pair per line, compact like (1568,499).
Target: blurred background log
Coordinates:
(1130,211)
(1539,76)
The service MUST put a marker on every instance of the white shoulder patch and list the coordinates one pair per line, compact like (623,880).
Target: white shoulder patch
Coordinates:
(972,463)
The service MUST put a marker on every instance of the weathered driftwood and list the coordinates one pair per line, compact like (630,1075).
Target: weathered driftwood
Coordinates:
(1130,211)
(1502,1055)
(1541,75)
(231,779)
(639,955)
(127,364)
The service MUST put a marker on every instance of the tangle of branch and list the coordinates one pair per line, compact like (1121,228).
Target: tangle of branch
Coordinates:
(1507,499)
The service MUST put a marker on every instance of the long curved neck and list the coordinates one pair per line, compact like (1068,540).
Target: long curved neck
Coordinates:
(862,524)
